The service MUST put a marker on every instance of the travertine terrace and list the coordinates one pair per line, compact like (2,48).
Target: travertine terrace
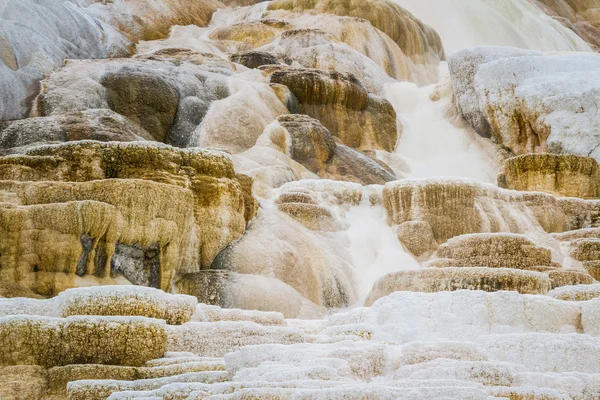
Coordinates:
(299,199)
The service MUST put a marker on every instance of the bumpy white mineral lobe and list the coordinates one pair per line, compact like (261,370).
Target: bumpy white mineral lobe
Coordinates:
(576,293)
(555,95)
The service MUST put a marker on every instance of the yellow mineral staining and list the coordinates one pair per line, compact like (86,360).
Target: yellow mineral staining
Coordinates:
(457,207)
(312,216)
(495,250)
(417,237)
(7,55)
(140,20)
(566,277)
(250,35)
(342,104)
(576,293)
(411,35)
(431,280)
(24,382)
(53,342)
(41,237)
(593,268)
(126,301)
(558,174)
(59,377)
(119,193)
(524,393)
(359,34)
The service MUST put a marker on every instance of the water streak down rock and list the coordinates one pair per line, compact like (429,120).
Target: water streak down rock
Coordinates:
(186,229)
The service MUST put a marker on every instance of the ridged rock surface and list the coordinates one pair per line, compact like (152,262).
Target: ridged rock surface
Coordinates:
(343,106)
(93,191)
(299,199)
(560,175)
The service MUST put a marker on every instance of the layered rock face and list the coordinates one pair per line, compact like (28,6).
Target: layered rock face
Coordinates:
(529,102)
(561,175)
(97,124)
(307,141)
(37,37)
(343,106)
(487,346)
(297,199)
(144,211)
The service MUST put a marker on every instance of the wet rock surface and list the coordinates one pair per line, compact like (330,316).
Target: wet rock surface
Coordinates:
(299,199)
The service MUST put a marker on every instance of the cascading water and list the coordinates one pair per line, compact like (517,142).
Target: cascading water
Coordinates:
(516,23)
(310,250)
(431,143)
(374,246)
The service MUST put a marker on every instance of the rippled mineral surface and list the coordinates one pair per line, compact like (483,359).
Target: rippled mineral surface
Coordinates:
(299,199)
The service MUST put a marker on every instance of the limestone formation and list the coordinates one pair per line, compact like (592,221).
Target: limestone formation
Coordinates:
(343,106)
(531,102)
(308,142)
(146,302)
(103,389)
(50,342)
(27,382)
(155,227)
(338,43)
(566,277)
(232,290)
(215,339)
(59,377)
(208,61)
(412,36)
(464,66)
(37,37)
(58,234)
(313,216)
(560,175)
(593,268)
(454,207)
(140,21)
(255,59)
(417,237)
(244,36)
(590,316)
(576,293)
(360,35)
(301,258)
(168,100)
(578,15)
(586,249)
(208,313)
(102,125)
(125,300)
(431,280)
(493,250)
(343,215)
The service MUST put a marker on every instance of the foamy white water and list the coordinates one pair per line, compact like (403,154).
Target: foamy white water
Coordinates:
(431,144)
(518,23)
(374,247)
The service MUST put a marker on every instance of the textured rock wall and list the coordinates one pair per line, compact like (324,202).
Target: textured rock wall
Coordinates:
(97,216)
(560,175)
